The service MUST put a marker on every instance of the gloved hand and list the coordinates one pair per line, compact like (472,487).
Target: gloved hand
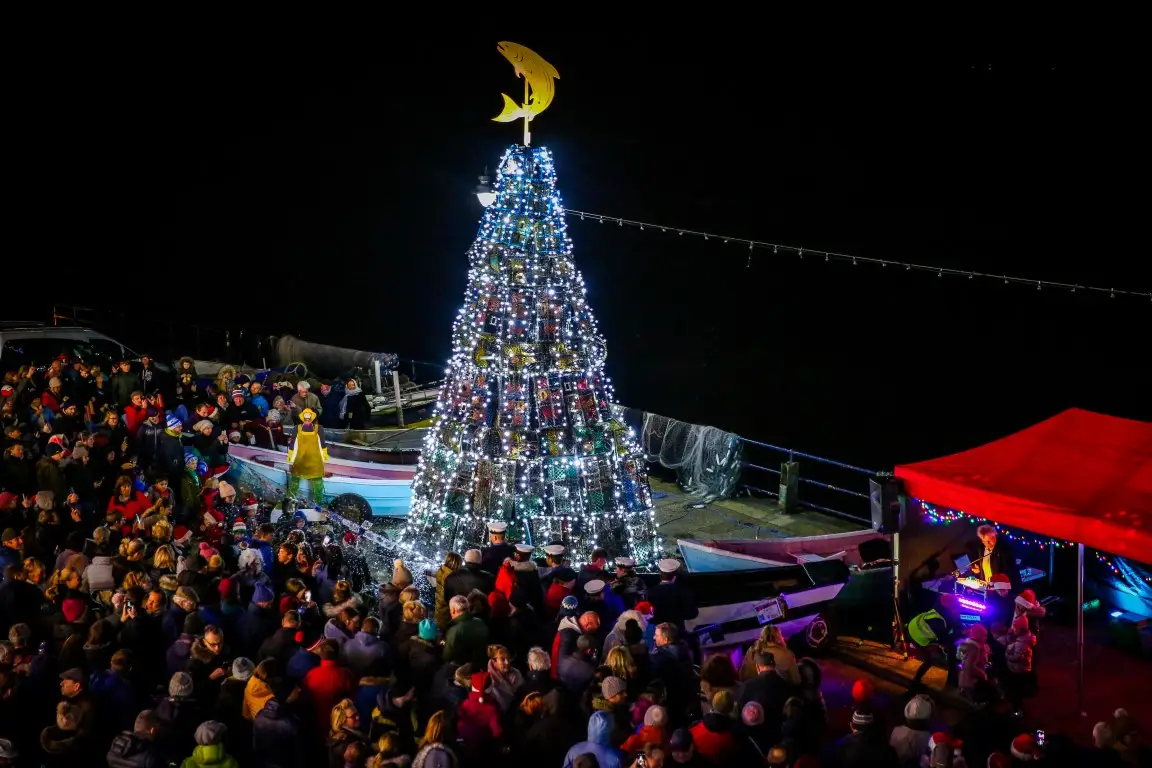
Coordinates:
(324,454)
(291,456)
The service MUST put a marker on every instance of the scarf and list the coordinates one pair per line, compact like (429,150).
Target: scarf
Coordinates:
(344,400)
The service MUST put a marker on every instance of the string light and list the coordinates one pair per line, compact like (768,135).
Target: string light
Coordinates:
(938,516)
(800,251)
(523,430)
(1126,573)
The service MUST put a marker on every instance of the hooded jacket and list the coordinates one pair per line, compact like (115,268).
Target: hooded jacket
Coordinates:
(210,756)
(598,743)
(130,751)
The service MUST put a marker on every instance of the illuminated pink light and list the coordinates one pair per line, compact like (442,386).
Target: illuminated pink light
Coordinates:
(972,604)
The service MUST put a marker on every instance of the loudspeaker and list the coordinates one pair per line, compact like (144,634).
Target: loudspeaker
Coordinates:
(875,550)
(886,495)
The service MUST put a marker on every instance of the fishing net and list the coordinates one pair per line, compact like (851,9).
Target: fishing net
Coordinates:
(707,460)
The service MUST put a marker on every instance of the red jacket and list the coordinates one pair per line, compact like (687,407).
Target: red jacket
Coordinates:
(213,533)
(326,685)
(50,401)
(137,505)
(478,720)
(717,747)
(506,580)
(134,417)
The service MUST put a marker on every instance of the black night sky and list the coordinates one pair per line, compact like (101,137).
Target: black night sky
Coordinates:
(325,189)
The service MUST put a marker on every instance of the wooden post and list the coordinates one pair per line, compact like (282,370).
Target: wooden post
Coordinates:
(789,485)
(399,404)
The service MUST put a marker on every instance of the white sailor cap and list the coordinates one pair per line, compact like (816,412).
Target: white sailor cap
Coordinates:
(525,548)
(497,527)
(668,565)
(554,549)
(594,587)
(626,562)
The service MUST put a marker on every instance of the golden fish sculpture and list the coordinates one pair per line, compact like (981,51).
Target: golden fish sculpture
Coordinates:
(539,85)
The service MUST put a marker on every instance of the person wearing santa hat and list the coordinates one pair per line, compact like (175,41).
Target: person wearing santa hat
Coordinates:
(944,752)
(1025,749)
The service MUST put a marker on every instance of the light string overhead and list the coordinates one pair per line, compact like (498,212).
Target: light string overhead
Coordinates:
(801,251)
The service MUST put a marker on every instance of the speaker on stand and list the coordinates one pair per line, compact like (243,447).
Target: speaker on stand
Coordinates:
(886,495)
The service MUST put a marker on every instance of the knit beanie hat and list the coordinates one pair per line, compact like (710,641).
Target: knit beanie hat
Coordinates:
(723,703)
(613,686)
(428,630)
(210,733)
(180,685)
(919,707)
(752,714)
(656,716)
(862,716)
(242,668)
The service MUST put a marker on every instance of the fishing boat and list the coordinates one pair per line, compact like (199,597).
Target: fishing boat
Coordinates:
(385,488)
(374,446)
(723,555)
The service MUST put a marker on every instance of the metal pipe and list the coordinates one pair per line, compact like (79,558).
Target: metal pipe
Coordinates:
(399,404)
(1080,629)
(791,453)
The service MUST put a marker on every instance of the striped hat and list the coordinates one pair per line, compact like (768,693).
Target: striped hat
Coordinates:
(239,527)
(172,422)
(237,392)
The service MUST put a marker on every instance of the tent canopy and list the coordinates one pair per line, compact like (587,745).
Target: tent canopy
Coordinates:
(1080,476)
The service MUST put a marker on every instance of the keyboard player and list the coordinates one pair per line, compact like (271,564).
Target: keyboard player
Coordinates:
(998,559)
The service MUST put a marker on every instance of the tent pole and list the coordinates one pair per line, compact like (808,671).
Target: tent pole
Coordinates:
(1051,561)
(1080,628)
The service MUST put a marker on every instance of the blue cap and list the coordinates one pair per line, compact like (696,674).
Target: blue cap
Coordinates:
(173,422)
(570,603)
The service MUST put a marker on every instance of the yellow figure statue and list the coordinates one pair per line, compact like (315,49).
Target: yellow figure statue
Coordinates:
(307,456)
(539,85)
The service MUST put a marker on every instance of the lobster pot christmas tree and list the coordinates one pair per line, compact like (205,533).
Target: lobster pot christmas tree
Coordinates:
(524,431)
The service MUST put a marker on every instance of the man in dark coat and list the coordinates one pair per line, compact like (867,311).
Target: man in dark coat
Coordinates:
(997,557)
(468,577)
(493,555)
(768,689)
(671,601)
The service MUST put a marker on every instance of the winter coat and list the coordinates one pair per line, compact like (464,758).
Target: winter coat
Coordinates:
(631,590)
(598,743)
(362,651)
(367,692)
(98,576)
(576,672)
(117,703)
(465,579)
(253,626)
(257,694)
(131,751)
(909,743)
(326,685)
(334,630)
(714,738)
(673,665)
(564,643)
(785,662)
(1018,655)
(121,387)
(608,607)
(441,613)
(276,737)
(50,477)
(672,602)
(478,722)
(648,734)
(466,640)
(212,756)
(973,660)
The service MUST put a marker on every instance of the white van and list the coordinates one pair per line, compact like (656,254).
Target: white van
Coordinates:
(24,343)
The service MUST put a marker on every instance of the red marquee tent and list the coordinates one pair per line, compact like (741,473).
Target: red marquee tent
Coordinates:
(1080,476)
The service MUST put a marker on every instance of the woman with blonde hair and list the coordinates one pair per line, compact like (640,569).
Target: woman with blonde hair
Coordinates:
(623,666)
(136,579)
(34,572)
(163,560)
(342,597)
(436,732)
(412,614)
(771,641)
(452,562)
(344,725)
(504,679)
(62,580)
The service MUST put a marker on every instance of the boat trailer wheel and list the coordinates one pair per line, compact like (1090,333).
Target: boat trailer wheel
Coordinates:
(352,507)
(817,634)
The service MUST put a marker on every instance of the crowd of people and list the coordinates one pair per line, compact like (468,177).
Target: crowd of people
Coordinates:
(155,616)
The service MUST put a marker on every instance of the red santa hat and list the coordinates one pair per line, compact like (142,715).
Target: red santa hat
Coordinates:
(1024,748)
(350,538)
(1002,584)
(181,535)
(999,760)
(1026,599)
(479,683)
(941,739)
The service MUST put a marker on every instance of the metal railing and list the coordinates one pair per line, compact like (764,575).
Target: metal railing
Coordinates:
(834,487)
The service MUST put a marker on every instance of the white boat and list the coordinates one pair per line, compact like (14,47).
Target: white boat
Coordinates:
(387,488)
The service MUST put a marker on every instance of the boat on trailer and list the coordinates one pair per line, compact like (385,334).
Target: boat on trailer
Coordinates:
(385,488)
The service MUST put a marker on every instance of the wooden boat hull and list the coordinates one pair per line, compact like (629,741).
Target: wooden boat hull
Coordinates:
(718,556)
(386,488)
